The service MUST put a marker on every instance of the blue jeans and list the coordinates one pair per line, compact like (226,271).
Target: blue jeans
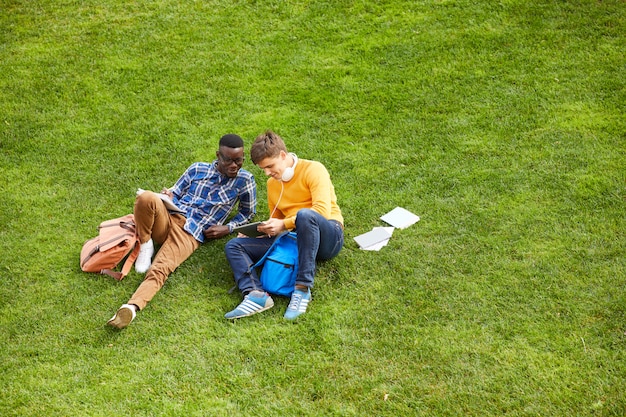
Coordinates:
(318,239)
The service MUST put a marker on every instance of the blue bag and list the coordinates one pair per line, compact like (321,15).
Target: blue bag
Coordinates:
(280,265)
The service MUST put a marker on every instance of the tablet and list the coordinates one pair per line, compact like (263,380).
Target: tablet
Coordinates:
(249,229)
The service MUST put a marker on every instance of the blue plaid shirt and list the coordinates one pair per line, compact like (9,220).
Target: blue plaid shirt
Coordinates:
(208,197)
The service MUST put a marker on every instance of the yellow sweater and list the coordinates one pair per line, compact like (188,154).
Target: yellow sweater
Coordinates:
(310,188)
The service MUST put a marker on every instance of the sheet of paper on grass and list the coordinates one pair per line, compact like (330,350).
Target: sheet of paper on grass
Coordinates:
(400,218)
(374,239)
(166,200)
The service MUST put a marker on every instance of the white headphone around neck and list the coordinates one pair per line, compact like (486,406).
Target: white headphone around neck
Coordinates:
(289,172)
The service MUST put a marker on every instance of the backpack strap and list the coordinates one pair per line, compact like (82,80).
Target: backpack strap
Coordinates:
(267,253)
(276,242)
(117,275)
(130,260)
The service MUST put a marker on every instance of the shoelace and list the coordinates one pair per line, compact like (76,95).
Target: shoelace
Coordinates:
(295,302)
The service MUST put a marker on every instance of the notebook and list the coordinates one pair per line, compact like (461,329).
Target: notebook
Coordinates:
(400,218)
(374,237)
(169,204)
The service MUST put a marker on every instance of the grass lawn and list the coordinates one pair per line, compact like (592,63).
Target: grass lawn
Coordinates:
(501,124)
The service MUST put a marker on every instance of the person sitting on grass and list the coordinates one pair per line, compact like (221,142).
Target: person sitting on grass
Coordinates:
(301,198)
(207,194)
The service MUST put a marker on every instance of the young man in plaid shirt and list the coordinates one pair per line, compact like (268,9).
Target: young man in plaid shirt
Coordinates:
(206,195)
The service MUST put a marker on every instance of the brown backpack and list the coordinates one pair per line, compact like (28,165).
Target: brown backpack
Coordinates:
(117,239)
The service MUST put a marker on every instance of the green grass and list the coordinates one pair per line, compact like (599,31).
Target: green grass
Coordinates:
(500,123)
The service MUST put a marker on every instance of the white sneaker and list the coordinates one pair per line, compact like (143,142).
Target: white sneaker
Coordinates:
(122,318)
(144,259)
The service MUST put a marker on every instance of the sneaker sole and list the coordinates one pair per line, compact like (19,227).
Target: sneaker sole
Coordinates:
(121,319)
(251,313)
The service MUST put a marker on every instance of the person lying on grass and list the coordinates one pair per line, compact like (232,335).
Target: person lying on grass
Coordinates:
(207,194)
(301,198)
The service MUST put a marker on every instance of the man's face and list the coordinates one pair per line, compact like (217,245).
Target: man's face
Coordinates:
(274,167)
(229,161)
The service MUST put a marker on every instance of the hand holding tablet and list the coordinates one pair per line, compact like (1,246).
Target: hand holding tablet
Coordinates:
(249,229)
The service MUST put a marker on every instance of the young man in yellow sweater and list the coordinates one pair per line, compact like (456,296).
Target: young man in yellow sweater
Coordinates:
(301,198)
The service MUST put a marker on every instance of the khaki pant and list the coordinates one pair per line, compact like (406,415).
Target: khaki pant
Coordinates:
(155,222)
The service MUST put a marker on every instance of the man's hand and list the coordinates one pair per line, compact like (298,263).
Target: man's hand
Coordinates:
(215,232)
(272,227)
(167,192)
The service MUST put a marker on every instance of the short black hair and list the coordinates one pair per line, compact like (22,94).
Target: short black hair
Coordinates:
(231,141)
